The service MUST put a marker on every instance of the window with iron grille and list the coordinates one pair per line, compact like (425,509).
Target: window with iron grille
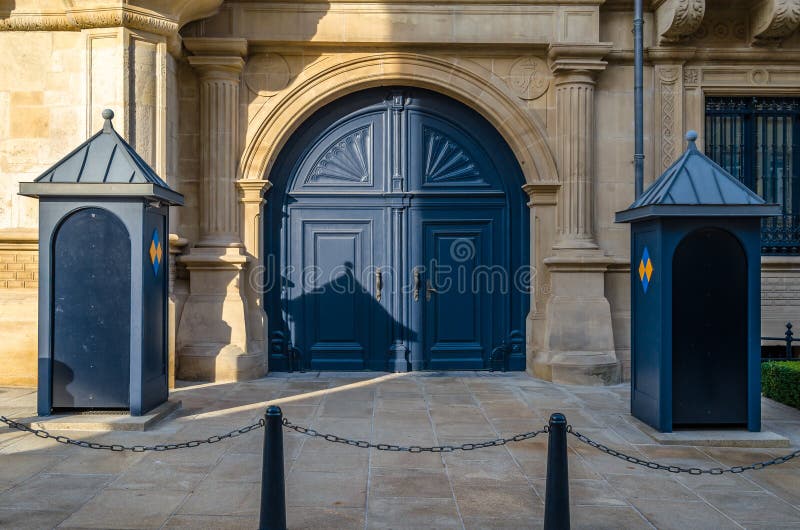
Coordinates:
(757,139)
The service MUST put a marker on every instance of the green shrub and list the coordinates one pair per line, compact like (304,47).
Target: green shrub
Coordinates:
(780,380)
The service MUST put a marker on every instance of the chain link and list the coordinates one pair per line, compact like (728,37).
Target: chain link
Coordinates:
(678,469)
(41,433)
(414,448)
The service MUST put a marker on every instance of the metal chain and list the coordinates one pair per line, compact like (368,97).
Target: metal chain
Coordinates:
(414,448)
(677,469)
(133,448)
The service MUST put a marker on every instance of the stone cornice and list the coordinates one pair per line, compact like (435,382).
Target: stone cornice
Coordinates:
(720,55)
(19,239)
(159,17)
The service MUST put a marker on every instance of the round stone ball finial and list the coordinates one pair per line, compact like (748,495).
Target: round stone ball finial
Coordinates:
(107,114)
(691,136)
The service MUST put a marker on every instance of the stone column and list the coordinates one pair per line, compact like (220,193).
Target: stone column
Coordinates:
(578,343)
(219,125)
(219,337)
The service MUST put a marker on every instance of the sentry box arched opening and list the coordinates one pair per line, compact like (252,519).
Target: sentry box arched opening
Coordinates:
(103,278)
(695,297)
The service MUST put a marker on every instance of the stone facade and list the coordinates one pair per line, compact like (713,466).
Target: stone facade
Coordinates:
(210,91)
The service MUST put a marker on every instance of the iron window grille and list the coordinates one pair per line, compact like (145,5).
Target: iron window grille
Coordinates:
(757,139)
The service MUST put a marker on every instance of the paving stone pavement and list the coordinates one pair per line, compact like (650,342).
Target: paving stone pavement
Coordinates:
(46,485)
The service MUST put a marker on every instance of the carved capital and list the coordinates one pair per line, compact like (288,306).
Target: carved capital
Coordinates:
(217,58)
(771,21)
(221,68)
(542,193)
(577,63)
(677,20)
(252,190)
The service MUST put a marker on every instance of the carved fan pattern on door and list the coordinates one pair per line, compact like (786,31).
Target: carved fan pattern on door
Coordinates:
(347,160)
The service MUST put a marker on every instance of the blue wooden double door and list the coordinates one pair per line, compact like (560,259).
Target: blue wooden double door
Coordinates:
(396,239)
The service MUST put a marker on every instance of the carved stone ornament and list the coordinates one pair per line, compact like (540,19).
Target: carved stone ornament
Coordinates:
(679,19)
(267,74)
(668,78)
(691,76)
(162,18)
(772,21)
(529,77)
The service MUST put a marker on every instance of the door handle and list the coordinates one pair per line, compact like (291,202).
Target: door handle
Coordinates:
(416,284)
(429,290)
(378,283)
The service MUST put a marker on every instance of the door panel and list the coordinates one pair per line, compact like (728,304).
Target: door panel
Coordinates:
(709,367)
(459,308)
(333,289)
(92,312)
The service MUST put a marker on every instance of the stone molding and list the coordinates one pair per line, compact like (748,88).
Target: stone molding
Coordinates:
(677,20)
(149,15)
(542,193)
(771,21)
(474,23)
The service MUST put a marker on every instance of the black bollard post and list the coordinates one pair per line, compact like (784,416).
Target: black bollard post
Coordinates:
(556,500)
(273,491)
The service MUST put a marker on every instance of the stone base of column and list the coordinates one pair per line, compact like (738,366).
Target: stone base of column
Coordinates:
(219,337)
(578,344)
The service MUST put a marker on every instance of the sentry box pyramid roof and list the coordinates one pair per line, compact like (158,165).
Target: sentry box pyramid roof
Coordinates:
(105,165)
(695,186)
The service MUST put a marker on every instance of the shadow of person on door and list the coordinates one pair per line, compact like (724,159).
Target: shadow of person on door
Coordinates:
(339,323)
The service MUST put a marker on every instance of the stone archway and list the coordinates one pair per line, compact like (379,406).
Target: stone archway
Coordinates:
(335,77)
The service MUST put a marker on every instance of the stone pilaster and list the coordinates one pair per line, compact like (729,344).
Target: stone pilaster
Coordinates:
(220,336)
(543,201)
(578,342)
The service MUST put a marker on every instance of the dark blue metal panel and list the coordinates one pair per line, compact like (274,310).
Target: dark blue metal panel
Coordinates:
(91,264)
(646,294)
(709,329)
(155,271)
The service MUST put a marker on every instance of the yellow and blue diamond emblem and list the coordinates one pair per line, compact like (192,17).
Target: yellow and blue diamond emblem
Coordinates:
(645,269)
(156,252)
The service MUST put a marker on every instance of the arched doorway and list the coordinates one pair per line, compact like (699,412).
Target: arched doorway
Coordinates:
(396,238)
(709,322)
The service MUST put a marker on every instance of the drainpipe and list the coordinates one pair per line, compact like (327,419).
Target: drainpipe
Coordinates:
(638,117)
